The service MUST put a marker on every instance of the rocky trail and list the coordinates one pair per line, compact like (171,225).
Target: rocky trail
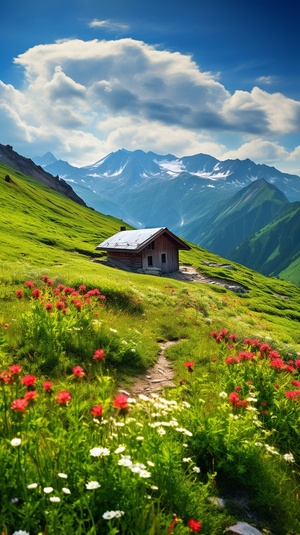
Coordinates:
(154,380)
(157,377)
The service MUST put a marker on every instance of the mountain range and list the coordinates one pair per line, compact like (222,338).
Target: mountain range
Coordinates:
(219,205)
(233,208)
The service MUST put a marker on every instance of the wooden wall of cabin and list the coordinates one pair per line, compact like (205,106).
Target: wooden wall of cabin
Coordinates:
(132,261)
(163,254)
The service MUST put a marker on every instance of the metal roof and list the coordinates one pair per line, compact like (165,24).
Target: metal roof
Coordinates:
(135,240)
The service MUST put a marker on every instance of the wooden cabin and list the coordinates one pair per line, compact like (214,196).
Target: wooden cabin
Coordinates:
(153,250)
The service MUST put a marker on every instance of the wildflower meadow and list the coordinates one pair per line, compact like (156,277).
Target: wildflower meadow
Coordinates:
(80,455)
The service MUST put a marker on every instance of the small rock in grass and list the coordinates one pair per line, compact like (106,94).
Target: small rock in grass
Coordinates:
(242,528)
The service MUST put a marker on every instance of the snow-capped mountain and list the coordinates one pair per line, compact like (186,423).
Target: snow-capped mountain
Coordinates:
(148,189)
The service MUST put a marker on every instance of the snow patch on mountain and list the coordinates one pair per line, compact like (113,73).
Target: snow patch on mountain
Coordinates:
(174,167)
(117,172)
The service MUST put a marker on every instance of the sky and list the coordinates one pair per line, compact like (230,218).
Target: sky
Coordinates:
(84,78)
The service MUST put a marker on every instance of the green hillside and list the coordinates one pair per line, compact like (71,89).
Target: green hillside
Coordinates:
(236,219)
(77,455)
(275,248)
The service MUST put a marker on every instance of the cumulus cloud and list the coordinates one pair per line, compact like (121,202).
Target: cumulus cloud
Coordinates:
(88,98)
(267,152)
(262,112)
(259,151)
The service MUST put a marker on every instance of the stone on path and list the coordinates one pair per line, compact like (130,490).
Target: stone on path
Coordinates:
(242,528)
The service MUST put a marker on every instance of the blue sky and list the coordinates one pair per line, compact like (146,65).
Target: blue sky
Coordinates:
(85,78)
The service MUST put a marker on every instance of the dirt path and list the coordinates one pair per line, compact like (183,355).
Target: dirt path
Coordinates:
(157,377)
(190,274)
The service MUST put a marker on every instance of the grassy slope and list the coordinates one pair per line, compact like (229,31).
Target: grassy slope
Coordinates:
(42,232)
(275,247)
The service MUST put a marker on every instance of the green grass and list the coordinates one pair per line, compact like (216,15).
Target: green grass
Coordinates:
(42,233)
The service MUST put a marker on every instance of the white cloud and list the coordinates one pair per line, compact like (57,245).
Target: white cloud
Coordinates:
(262,112)
(108,24)
(266,80)
(83,99)
(267,152)
(259,151)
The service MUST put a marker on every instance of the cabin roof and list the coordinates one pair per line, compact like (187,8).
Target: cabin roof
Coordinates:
(137,240)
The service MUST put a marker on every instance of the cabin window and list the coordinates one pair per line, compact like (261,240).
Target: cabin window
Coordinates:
(163,258)
(150,261)
(151,246)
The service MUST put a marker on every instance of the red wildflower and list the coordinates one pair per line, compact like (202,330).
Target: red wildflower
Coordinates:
(194,525)
(242,403)
(6,377)
(120,402)
(28,380)
(97,410)
(99,354)
(19,405)
(255,343)
(19,294)
(47,385)
(297,363)
(29,284)
(30,395)
(15,368)
(95,291)
(36,293)
(265,348)
(60,305)
(292,394)
(48,306)
(274,354)
(223,333)
(277,363)
(68,290)
(78,371)
(214,334)
(189,365)
(233,337)
(237,388)
(290,369)
(82,287)
(247,355)
(59,287)
(49,282)
(78,303)
(295,383)
(173,524)
(63,397)
(234,398)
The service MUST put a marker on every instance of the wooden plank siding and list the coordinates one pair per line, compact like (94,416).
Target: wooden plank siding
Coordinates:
(132,261)
(161,253)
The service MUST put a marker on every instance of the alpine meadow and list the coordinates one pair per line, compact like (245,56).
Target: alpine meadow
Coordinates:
(79,453)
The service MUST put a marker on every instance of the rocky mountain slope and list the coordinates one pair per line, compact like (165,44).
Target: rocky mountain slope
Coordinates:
(26,166)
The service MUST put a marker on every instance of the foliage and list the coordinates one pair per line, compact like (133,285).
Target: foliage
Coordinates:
(201,444)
